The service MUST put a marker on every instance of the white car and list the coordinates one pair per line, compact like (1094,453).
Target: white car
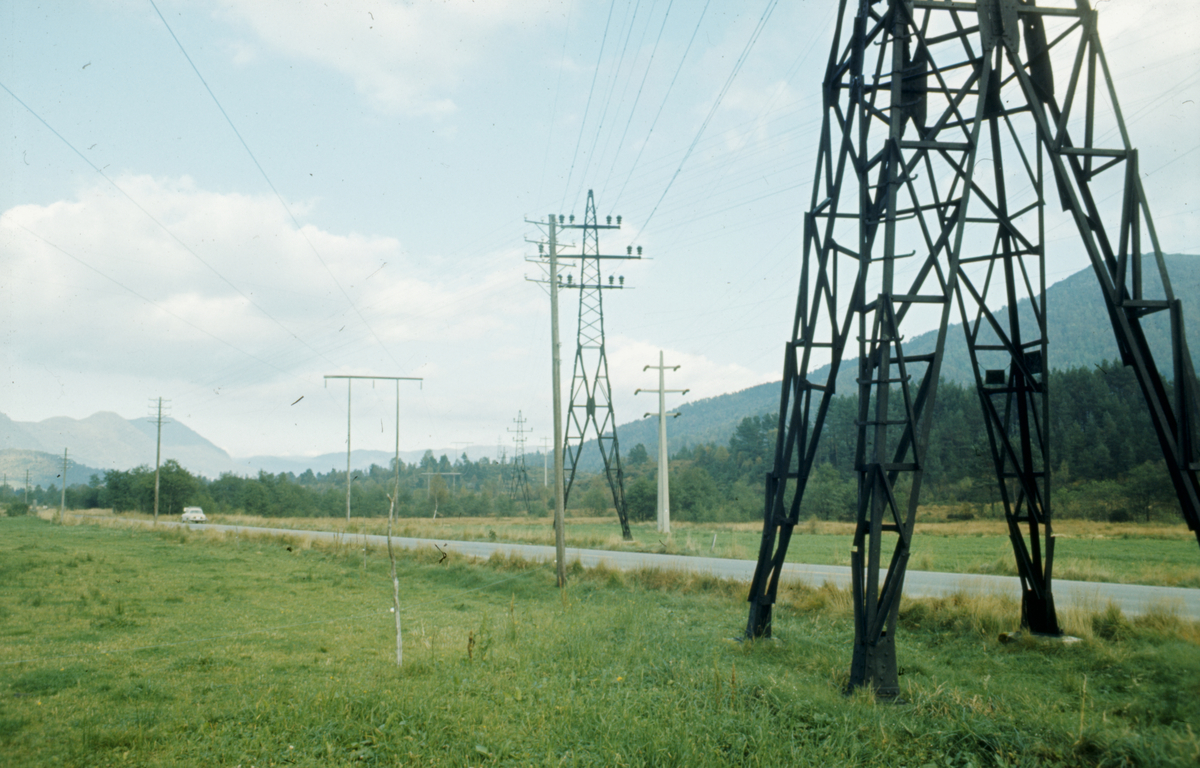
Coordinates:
(193,515)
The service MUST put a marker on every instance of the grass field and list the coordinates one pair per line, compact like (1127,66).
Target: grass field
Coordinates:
(1128,553)
(133,647)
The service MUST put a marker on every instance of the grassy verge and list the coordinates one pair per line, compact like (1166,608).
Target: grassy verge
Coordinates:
(1124,553)
(133,647)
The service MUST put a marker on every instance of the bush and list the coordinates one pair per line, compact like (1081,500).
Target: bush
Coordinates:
(1119,515)
(17,509)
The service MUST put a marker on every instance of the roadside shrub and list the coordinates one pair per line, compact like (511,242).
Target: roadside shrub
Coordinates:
(17,509)
(1111,624)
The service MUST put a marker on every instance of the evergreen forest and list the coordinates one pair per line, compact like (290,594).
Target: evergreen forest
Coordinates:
(1105,457)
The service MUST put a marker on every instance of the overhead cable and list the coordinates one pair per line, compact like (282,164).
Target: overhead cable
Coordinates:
(270,184)
(737,67)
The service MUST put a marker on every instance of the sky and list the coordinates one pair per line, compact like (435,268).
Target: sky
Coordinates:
(221,202)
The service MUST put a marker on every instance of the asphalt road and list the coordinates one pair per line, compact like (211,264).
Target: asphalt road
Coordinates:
(1132,599)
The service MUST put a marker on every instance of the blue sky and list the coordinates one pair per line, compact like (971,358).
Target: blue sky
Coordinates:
(401,148)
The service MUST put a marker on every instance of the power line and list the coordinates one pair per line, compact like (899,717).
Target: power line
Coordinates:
(588,104)
(608,99)
(666,96)
(638,97)
(737,67)
(161,226)
(151,302)
(271,184)
(554,109)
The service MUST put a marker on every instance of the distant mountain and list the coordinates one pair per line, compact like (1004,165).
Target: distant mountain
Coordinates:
(1080,335)
(107,441)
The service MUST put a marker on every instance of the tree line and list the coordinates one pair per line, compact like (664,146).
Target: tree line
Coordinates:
(1105,459)
(1104,455)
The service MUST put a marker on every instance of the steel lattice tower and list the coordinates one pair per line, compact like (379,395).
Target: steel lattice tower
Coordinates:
(946,127)
(591,393)
(518,486)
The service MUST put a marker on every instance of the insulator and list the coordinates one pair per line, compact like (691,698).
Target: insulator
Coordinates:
(560,218)
(610,279)
(610,219)
(541,248)
(618,221)
(629,250)
(639,250)
(569,279)
(622,279)
(572,218)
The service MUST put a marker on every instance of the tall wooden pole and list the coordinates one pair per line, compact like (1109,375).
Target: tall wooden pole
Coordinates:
(62,507)
(560,546)
(157,458)
(348,481)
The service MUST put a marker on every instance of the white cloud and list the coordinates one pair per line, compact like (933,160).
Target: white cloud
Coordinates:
(130,304)
(702,376)
(406,56)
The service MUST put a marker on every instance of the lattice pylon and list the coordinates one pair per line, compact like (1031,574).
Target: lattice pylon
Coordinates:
(591,392)
(914,90)
(518,486)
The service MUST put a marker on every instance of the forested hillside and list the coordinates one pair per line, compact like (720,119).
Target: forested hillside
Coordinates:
(1104,456)
(1079,337)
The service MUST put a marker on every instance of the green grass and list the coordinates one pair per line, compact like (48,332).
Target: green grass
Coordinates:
(131,647)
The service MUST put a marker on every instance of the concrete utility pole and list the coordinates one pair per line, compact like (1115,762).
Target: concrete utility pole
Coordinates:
(349,381)
(158,419)
(664,493)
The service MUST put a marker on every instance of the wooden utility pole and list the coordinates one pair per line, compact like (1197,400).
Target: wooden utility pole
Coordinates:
(349,479)
(560,543)
(62,507)
(157,455)
(560,495)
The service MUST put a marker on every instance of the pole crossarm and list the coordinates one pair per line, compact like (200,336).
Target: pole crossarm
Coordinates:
(664,485)
(590,409)
(946,127)
(350,378)
(377,378)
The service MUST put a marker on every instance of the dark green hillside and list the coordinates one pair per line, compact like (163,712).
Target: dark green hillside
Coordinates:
(1080,337)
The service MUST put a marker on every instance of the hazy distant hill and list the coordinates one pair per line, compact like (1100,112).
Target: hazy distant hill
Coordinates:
(105,441)
(108,441)
(1079,335)
(44,469)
